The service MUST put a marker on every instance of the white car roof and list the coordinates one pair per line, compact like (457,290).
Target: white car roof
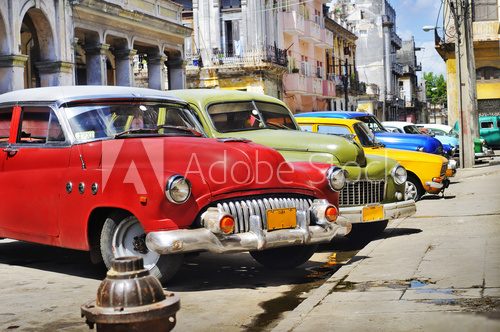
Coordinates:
(436,125)
(78,92)
(397,124)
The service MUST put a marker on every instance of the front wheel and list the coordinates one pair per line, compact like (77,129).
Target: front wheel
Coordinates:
(413,189)
(124,236)
(285,257)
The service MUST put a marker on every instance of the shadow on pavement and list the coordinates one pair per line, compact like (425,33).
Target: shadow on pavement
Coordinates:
(53,259)
(204,271)
(394,232)
(437,197)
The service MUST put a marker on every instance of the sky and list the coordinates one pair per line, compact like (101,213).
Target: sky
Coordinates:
(411,16)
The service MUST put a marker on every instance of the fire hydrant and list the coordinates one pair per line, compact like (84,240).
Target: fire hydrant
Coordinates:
(130,299)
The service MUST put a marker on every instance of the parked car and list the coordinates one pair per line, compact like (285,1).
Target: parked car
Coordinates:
(422,143)
(374,192)
(450,143)
(426,172)
(481,148)
(126,171)
(489,130)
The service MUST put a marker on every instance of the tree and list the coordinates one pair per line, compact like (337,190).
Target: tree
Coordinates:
(435,88)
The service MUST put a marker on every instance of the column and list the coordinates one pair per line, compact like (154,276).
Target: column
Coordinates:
(96,64)
(12,72)
(55,73)
(176,74)
(156,71)
(125,67)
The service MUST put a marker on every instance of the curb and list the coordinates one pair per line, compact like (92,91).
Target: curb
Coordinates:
(293,318)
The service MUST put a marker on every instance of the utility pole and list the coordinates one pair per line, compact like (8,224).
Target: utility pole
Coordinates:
(466,73)
(346,86)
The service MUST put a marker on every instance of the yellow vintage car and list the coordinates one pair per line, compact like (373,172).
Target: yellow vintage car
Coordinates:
(426,172)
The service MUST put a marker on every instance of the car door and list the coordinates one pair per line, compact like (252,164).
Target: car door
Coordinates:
(32,175)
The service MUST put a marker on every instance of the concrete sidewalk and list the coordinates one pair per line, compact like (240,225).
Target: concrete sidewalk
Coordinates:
(436,271)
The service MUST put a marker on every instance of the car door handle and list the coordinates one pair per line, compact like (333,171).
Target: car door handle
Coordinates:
(10,151)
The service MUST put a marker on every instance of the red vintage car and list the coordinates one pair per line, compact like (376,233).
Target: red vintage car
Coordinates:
(91,168)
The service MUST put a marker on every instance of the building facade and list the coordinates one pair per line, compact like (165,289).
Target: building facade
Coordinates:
(374,22)
(486,54)
(109,42)
(275,47)
(412,110)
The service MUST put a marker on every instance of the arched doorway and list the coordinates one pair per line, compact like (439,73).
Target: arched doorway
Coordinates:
(37,42)
(4,43)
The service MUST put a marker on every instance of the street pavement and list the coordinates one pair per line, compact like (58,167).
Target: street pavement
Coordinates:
(436,271)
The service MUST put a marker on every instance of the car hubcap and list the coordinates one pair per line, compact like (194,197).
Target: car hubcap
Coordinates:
(410,191)
(129,240)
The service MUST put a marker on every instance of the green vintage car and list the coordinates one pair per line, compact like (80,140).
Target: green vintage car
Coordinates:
(375,188)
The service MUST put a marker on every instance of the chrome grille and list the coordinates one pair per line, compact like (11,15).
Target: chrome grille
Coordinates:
(242,210)
(362,193)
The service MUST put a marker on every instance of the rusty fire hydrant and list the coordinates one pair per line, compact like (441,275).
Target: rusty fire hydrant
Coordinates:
(130,299)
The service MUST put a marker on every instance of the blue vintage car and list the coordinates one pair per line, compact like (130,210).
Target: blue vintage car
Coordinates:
(391,140)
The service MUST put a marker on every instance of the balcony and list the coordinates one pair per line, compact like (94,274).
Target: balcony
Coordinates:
(326,39)
(329,90)
(293,22)
(296,83)
(397,68)
(396,40)
(312,32)
(317,87)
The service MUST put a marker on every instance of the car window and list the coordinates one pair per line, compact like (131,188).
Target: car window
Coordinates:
(411,129)
(487,124)
(5,118)
(106,120)
(275,115)
(365,135)
(308,128)
(334,130)
(372,123)
(239,116)
(39,125)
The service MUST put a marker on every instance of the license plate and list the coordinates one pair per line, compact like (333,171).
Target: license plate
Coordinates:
(281,218)
(372,213)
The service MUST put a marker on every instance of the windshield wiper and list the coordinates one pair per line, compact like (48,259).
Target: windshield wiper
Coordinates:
(136,131)
(277,125)
(192,131)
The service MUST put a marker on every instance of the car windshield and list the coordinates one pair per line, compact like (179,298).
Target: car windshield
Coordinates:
(411,129)
(113,120)
(372,123)
(238,116)
(365,135)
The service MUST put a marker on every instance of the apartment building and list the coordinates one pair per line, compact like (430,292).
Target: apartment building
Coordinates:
(486,38)
(412,110)
(275,47)
(374,22)
(50,43)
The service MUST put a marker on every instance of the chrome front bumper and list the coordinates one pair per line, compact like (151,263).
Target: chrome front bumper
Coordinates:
(354,215)
(202,239)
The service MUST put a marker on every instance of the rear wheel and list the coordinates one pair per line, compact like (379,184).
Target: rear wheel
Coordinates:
(413,188)
(285,257)
(124,236)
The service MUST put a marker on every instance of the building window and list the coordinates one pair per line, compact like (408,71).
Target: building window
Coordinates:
(226,4)
(487,74)
(231,38)
(485,10)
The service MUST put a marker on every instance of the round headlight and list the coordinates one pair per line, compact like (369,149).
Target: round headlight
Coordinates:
(336,178)
(399,174)
(178,189)
(452,164)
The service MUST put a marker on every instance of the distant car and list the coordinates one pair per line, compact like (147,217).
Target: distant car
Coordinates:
(450,144)
(489,129)
(481,148)
(426,172)
(422,143)
(120,171)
